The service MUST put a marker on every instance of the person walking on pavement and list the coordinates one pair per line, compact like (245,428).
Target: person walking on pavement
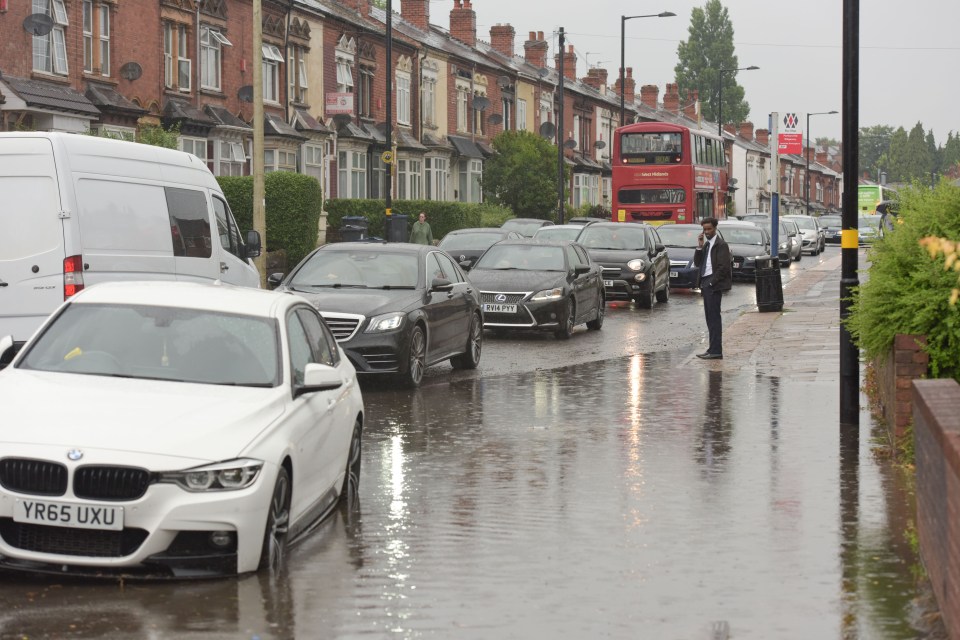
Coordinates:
(712,256)
(421,233)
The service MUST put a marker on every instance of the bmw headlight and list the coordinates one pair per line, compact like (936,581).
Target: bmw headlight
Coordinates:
(385,322)
(636,265)
(222,476)
(548,294)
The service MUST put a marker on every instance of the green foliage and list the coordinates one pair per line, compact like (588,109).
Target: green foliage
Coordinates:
(710,48)
(442,216)
(522,175)
(908,292)
(586,211)
(873,144)
(293,202)
(950,156)
(158,136)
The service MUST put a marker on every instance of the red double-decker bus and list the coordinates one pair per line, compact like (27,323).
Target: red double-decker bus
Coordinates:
(667,173)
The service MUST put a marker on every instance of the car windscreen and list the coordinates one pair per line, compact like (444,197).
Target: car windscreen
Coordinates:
(623,236)
(557,233)
(159,343)
(527,257)
(831,221)
(805,223)
(521,227)
(736,235)
(357,269)
(469,241)
(676,236)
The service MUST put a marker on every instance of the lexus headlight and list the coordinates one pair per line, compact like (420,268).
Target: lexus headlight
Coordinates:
(385,322)
(636,265)
(222,476)
(548,294)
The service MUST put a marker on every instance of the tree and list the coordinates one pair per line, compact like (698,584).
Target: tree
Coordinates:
(951,152)
(522,175)
(709,49)
(909,156)
(874,142)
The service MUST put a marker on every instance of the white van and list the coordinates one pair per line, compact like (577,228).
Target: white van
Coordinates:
(76,210)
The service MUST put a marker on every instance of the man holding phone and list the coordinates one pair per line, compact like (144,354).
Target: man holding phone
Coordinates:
(712,257)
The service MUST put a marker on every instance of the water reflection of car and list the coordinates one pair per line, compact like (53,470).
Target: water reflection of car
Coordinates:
(810,233)
(394,308)
(868,229)
(747,242)
(635,263)
(466,245)
(525,226)
(197,430)
(681,243)
(558,232)
(549,285)
(832,228)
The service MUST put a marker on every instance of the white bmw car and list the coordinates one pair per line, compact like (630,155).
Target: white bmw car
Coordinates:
(173,429)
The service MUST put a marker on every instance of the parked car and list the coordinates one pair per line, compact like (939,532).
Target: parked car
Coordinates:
(635,263)
(832,227)
(810,232)
(868,228)
(681,242)
(586,220)
(788,249)
(796,237)
(525,226)
(394,308)
(197,430)
(466,245)
(747,242)
(549,285)
(558,232)
(763,218)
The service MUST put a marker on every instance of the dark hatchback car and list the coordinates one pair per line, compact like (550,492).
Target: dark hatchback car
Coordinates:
(747,242)
(549,285)
(524,226)
(832,228)
(635,263)
(466,245)
(681,242)
(394,308)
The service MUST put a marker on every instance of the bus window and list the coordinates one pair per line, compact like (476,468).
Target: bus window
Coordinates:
(651,196)
(650,148)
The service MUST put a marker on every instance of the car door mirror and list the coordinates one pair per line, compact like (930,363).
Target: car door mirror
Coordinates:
(466,264)
(318,377)
(274,280)
(253,244)
(441,284)
(659,248)
(581,269)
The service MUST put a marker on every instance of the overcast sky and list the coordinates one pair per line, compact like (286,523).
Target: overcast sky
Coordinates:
(909,52)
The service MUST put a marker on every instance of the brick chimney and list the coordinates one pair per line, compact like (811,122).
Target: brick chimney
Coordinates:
(822,157)
(501,37)
(763,137)
(535,49)
(463,22)
(569,63)
(671,98)
(649,94)
(746,130)
(692,106)
(417,13)
(363,7)
(596,78)
(729,128)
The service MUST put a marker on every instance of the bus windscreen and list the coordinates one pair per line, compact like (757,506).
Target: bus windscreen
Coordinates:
(651,148)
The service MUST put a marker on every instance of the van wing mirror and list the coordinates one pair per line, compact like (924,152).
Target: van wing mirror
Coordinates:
(253,244)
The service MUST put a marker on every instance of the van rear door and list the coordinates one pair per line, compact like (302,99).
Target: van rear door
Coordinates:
(31,235)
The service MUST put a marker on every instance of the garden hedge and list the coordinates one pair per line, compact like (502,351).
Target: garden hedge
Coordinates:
(442,216)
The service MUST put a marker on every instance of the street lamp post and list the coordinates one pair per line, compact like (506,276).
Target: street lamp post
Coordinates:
(720,94)
(806,190)
(623,22)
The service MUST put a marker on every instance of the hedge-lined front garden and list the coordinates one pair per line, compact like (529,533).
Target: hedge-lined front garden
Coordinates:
(443,217)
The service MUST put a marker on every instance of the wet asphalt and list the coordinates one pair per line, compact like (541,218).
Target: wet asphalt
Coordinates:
(609,486)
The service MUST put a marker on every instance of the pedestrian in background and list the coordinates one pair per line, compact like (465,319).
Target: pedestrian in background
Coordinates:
(421,233)
(712,256)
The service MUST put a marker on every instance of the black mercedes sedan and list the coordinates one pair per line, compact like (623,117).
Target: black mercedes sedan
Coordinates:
(548,285)
(747,242)
(466,245)
(394,308)
(635,263)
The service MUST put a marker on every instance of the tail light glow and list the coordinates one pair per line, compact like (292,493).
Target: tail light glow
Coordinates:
(72,276)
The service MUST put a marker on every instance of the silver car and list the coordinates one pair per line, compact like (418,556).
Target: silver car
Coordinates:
(813,239)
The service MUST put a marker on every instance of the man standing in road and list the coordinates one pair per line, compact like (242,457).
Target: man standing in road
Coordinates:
(716,277)
(421,233)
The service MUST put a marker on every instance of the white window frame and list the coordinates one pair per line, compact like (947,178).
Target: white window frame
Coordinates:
(428,86)
(546,107)
(505,105)
(521,114)
(409,178)
(211,57)
(87,12)
(184,62)
(272,59)
(168,54)
(463,112)
(436,175)
(352,170)
(297,75)
(345,54)
(231,158)
(193,145)
(50,50)
(403,97)
(471,177)
(313,160)
(478,115)
(104,39)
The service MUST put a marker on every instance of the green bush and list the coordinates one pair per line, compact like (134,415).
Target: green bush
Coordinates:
(905,290)
(293,202)
(443,217)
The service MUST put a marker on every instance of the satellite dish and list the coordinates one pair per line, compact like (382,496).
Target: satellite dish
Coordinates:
(543,72)
(495,118)
(38,24)
(245,93)
(480,103)
(570,144)
(342,118)
(503,82)
(131,71)
(548,130)
(599,144)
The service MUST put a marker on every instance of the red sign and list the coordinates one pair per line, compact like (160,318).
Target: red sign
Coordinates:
(339,103)
(790,144)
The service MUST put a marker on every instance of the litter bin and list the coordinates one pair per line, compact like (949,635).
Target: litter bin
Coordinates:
(397,230)
(353,229)
(769,285)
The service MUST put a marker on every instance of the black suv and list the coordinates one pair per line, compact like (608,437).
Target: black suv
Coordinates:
(635,263)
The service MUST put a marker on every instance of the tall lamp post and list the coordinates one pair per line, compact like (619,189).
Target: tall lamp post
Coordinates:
(806,189)
(720,94)
(623,22)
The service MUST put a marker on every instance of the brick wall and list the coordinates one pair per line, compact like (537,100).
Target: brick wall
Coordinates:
(936,415)
(905,363)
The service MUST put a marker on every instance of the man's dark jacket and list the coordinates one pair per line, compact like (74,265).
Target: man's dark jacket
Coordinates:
(721,262)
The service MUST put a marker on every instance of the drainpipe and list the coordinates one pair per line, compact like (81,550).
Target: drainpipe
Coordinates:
(197,31)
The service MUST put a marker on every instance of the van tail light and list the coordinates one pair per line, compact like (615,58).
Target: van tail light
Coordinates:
(72,276)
